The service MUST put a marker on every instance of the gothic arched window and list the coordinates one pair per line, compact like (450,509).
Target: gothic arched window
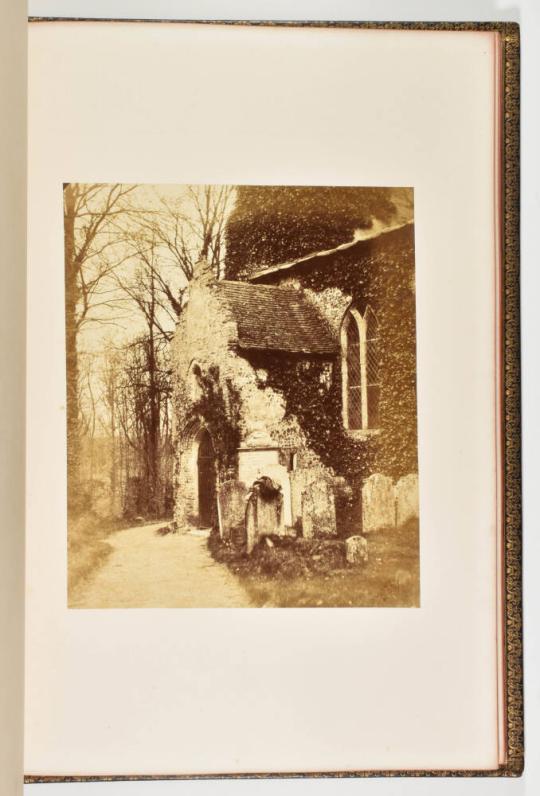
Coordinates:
(354,375)
(373,387)
(360,369)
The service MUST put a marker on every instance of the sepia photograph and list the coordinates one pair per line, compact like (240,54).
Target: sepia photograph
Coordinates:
(241,396)
(271,442)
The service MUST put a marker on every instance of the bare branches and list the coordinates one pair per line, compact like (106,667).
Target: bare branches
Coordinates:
(130,253)
(181,232)
(93,243)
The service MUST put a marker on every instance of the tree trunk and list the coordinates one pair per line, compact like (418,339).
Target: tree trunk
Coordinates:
(153,425)
(72,368)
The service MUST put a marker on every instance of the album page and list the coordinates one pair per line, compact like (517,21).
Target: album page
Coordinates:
(262,499)
(12,326)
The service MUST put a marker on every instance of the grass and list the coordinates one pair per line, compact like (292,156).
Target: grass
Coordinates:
(88,548)
(314,573)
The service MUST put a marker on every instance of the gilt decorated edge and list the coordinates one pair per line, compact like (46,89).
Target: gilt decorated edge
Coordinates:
(511,403)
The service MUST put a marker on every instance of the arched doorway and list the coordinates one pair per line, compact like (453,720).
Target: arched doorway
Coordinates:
(206,468)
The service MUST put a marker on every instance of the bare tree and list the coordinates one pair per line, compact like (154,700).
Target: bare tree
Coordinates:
(126,253)
(142,287)
(185,231)
(110,376)
(91,230)
(142,411)
(88,419)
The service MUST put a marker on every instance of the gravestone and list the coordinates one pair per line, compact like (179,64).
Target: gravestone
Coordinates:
(378,503)
(299,480)
(232,496)
(280,475)
(318,510)
(356,550)
(406,492)
(264,511)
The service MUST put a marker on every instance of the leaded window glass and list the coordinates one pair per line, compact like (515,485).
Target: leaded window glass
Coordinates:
(354,376)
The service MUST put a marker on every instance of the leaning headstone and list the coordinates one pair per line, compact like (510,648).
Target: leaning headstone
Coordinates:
(378,503)
(356,550)
(280,476)
(251,524)
(406,492)
(318,510)
(232,497)
(264,512)
(299,480)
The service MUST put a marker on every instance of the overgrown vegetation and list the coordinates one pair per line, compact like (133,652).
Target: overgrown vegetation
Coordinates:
(314,573)
(130,251)
(87,547)
(283,557)
(219,405)
(273,224)
(383,279)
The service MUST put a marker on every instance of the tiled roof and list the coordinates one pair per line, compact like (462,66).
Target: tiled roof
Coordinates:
(276,319)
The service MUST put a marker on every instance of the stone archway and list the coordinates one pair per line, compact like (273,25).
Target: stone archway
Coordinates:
(196,500)
(206,480)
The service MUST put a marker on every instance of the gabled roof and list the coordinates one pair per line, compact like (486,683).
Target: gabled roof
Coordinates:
(276,319)
(362,237)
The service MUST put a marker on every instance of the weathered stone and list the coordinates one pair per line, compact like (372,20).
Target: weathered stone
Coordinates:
(232,496)
(378,503)
(299,480)
(402,578)
(253,462)
(406,492)
(250,409)
(204,340)
(318,510)
(356,550)
(280,475)
(167,529)
(251,524)
(264,513)
(258,463)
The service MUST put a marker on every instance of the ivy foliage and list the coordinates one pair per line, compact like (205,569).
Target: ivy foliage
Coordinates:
(317,406)
(382,278)
(273,224)
(219,406)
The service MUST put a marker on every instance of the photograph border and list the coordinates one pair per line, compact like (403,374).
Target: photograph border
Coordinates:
(510,421)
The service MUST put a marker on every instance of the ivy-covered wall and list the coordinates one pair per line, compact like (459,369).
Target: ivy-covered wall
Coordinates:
(215,388)
(293,402)
(378,272)
(272,224)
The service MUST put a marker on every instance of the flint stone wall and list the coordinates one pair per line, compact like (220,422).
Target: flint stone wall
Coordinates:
(206,337)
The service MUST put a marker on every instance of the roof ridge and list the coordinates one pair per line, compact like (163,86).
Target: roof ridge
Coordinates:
(281,288)
(284,266)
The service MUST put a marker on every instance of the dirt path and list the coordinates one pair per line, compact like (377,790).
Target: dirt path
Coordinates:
(150,571)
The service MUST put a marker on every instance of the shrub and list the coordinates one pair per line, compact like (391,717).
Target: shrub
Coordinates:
(283,557)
